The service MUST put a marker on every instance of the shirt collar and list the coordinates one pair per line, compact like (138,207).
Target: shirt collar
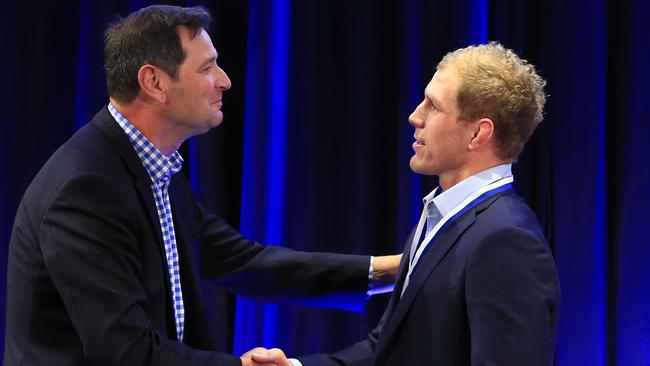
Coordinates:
(452,197)
(159,167)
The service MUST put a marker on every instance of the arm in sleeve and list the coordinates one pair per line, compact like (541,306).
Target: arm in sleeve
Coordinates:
(92,255)
(359,354)
(512,296)
(279,274)
(362,353)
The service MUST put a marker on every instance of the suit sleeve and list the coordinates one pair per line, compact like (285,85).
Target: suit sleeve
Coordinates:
(92,254)
(512,293)
(359,354)
(279,274)
(363,353)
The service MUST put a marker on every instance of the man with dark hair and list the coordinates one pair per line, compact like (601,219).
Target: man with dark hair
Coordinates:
(149,36)
(478,284)
(101,270)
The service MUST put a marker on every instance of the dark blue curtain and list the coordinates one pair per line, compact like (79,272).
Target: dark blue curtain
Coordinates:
(314,150)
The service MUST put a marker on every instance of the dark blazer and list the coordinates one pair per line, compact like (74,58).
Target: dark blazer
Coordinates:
(87,282)
(486,293)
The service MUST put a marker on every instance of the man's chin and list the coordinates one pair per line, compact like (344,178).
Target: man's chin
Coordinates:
(418,167)
(216,119)
(414,165)
(207,125)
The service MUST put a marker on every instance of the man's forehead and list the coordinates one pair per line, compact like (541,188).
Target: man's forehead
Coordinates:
(445,79)
(429,90)
(189,33)
(199,46)
(433,87)
(446,74)
(189,36)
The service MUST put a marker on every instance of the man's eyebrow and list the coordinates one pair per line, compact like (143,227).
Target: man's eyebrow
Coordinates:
(209,61)
(431,98)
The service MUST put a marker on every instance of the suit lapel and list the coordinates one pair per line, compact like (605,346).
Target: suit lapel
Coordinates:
(427,265)
(105,123)
(399,283)
(403,267)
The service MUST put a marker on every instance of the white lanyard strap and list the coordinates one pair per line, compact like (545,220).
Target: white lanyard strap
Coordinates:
(472,200)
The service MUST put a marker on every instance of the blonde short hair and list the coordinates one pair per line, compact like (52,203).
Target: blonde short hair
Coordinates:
(497,84)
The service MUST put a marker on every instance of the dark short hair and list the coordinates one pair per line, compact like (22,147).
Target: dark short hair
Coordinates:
(147,36)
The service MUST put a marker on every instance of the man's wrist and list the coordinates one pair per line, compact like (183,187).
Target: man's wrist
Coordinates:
(371,276)
(382,274)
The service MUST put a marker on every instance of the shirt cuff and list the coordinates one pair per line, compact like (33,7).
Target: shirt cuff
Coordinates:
(376,287)
(294,362)
(371,268)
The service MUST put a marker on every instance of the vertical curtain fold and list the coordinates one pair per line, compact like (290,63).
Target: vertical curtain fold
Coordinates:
(629,179)
(262,213)
(318,160)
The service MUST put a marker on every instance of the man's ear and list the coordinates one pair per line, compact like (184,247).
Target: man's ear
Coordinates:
(152,83)
(483,134)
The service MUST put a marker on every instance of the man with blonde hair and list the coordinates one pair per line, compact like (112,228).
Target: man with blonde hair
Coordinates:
(478,283)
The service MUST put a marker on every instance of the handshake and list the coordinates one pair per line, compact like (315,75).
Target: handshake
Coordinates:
(260,356)
(383,276)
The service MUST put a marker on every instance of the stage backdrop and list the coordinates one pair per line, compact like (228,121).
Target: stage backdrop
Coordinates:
(313,153)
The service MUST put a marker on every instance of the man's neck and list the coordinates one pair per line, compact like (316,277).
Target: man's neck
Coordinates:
(150,124)
(449,179)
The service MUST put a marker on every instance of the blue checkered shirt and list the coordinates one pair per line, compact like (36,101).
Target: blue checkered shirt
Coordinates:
(160,169)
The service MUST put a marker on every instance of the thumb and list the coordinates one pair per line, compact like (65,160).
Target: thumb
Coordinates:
(274,355)
(261,356)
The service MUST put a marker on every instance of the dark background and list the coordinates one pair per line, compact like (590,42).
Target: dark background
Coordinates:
(313,153)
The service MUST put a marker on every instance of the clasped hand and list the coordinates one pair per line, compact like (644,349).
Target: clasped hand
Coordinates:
(383,278)
(260,356)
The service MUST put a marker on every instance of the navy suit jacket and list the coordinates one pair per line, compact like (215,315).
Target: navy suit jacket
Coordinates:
(87,280)
(486,293)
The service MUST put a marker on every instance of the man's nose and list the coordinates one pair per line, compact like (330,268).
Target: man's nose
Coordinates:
(223,81)
(415,119)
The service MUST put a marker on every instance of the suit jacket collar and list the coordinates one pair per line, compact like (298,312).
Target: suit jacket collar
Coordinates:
(106,123)
(428,264)
(109,127)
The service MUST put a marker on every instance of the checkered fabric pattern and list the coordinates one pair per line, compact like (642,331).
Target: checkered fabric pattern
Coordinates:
(160,169)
